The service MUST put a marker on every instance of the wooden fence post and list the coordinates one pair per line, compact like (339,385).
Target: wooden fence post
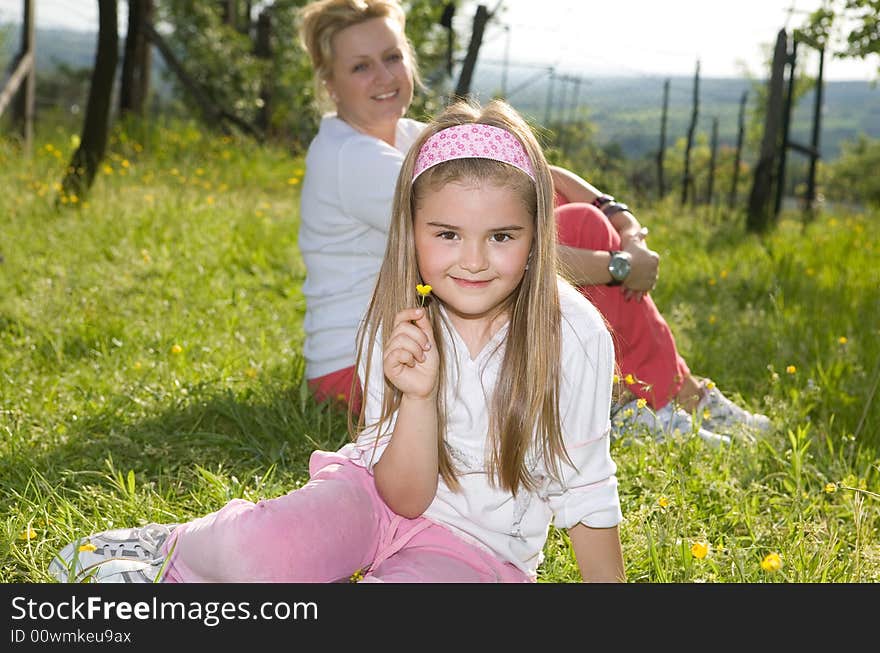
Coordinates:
(787,108)
(463,88)
(712,158)
(661,153)
(817,121)
(687,179)
(23,109)
(757,219)
(740,134)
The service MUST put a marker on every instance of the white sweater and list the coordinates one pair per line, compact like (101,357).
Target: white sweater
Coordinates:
(345,210)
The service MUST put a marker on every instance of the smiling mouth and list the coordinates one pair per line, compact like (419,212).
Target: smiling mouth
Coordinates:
(469,283)
(386,96)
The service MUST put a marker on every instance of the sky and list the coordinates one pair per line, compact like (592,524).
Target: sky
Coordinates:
(616,37)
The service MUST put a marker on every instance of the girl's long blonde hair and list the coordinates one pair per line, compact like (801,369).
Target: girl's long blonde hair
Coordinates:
(524,408)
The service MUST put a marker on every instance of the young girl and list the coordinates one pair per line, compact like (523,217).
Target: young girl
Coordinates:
(486,403)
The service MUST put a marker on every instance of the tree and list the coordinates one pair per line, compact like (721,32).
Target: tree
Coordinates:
(854,24)
(93,142)
(135,80)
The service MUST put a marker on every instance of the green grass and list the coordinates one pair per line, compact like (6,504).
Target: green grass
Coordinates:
(150,366)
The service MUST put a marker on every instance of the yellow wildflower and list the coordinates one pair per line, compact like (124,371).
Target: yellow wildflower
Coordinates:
(723,274)
(700,549)
(423,291)
(615,379)
(357,576)
(710,385)
(663,502)
(176,349)
(771,562)
(842,340)
(712,319)
(88,547)
(251,372)
(830,488)
(791,369)
(641,403)
(28,534)
(712,281)
(630,379)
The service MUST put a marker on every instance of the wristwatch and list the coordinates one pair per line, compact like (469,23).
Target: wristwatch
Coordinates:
(618,267)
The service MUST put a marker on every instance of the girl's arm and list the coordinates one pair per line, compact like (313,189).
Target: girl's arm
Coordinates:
(407,474)
(598,553)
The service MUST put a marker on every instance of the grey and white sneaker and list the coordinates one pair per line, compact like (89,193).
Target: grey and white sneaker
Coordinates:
(721,415)
(123,555)
(630,419)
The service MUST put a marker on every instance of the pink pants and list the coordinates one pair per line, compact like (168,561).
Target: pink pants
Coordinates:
(643,343)
(324,532)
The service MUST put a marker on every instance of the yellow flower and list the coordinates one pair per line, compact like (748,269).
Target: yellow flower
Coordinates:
(712,319)
(176,349)
(842,340)
(831,488)
(707,414)
(700,549)
(641,403)
(723,274)
(423,291)
(771,562)
(88,547)
(615,379)
(293,181)
(75,141)
(251,372)
(28,534)
(712,281)
(137,365)
(357,576)
(791,369)
(630,379)
(710,385)
(663,502)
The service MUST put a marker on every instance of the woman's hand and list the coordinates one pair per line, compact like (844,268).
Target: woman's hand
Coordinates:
(410,361)
(645,268)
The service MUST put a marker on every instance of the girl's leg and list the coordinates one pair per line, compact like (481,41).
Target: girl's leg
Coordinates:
(322,532)
(644,345)
(436,555)
(337,386)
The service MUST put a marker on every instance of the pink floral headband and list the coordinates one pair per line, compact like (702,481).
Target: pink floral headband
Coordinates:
(474,141)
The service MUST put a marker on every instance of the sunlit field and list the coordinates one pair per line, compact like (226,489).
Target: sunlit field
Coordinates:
(150,367)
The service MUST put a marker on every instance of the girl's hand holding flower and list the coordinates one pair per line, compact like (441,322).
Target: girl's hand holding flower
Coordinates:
(411,362)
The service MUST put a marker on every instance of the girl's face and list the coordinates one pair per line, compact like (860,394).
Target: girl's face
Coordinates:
(372,79)
(472,246)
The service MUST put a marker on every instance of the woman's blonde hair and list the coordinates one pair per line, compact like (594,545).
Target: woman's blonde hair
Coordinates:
(320,21)
(524,408)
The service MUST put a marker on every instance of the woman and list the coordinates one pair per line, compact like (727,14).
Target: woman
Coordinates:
(365,66)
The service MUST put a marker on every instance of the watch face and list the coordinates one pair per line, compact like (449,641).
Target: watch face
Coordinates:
(619,267)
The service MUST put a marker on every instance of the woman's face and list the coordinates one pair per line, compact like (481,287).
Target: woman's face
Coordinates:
(372,78)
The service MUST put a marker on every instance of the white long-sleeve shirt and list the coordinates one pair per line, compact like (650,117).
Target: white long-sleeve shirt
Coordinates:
(515,527)
(345,211)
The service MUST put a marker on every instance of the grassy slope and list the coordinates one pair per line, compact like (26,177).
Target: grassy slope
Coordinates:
(149,366)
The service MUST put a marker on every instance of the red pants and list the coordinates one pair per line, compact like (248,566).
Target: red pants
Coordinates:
(643,344)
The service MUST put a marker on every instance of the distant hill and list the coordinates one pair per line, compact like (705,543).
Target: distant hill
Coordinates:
(626,110)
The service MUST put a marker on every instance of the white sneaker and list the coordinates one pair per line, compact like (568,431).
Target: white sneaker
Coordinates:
(720,414)
(123,555)
(630,419)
